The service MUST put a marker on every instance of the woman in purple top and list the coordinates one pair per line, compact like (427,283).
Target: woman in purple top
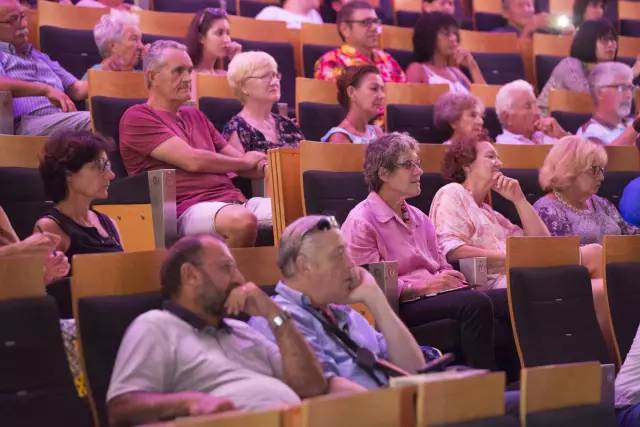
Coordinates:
(384,227)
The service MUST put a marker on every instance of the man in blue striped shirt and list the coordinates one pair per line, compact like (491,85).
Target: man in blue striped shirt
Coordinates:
(43,90)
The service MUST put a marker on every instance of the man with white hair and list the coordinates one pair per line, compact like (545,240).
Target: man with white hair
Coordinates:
(119,41)
(520,117)
(44,90)
(162,133)
(612,90)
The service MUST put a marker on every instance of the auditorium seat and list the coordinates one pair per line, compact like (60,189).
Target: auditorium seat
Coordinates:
(75,50)
(614,183)
(551,303)
(398,42)
(317,107)
(563,395)
(315,41)
(548,51)
(191,6)
(569,121)
(497,54)
(251,8)
(485,21)
(622,269)
(629,15)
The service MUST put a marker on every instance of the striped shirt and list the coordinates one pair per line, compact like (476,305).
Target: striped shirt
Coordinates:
(35,67)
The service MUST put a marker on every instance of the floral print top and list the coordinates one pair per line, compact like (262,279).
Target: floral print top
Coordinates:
(289,135)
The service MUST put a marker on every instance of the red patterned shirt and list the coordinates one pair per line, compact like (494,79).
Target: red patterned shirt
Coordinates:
(331,64)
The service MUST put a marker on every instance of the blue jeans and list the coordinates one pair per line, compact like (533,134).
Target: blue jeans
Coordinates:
(629,416)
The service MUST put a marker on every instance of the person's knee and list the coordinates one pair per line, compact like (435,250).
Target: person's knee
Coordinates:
(237,224)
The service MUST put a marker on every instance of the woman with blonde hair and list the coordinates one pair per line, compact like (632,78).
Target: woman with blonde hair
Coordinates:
(572,174)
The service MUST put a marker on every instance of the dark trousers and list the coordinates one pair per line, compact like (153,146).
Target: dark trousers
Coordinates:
(629,416)
(474,312)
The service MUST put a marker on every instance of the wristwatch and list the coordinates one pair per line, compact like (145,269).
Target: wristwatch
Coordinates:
(278,320)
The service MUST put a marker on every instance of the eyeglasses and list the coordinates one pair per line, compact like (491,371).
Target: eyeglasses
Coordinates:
(367,23)
(597,170)
(267,77)
(102,165)
(410,164)
(14,19)
(621,88)
(324,224)
(214,13)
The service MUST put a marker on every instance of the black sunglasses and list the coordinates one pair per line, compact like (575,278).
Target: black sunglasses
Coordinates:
(325,223)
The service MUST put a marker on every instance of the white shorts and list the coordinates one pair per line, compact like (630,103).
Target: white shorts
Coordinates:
(201,217)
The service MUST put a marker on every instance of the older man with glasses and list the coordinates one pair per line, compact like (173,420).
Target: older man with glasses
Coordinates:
(44,91)
(359,28)
(612,90)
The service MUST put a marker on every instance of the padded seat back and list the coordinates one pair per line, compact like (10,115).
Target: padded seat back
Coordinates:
(623,292)
(310,54)
(404,57)
(629,27)
(416,120)
(23,198)
(489,21)
(190,6)
(316,119)
(503,421)
(584,416)
(500,68)
(554,316)
(528,179)
(491,122)
(407,18)
(614,183)
(569,121)
(75,50)
(219,110)
(251,8)
(36,387)
(544,67)
(106,113)
(102,324)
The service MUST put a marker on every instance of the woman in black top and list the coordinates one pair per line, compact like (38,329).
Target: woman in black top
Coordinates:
(76,171)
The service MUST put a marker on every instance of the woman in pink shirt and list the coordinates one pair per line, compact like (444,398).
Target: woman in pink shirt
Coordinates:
(384,227)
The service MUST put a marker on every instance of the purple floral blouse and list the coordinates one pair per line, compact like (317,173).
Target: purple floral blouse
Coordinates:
(599,219)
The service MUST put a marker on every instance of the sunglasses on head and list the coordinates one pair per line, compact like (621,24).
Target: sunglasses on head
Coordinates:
(214,13)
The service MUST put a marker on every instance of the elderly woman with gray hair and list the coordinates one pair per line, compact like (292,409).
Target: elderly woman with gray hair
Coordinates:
(460,114)
(255,79)
(384,227)
(119,41)
(612,89)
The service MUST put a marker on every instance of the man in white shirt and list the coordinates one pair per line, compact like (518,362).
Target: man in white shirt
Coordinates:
(189,359)
(612,90)
(628,387)
(293,12)
(520,117)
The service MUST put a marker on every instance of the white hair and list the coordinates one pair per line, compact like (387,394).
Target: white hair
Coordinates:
(606,73)
(504,97)
(111,27)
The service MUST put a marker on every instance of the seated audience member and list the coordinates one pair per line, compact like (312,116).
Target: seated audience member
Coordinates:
(461,114)
(587,10)
(293,12)
(612,89)
(75,171)
(595,41)
(209,42)
(522,19)
(466,225)
(190,359)
(361,93)
(572,174)
(113,4)
(42,80)
(119,42)
(627,387)
(359,28)
(444,6)
(319,279)
(384,227)
(255,80)
(56,265)
(164,134)
(520,117)
(630,202)
(438,55)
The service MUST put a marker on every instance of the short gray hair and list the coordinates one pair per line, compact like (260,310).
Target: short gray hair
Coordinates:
(606,73)
(293,236)
(384,152)
(111,27)
(504,97)
(152,58)
(450,106)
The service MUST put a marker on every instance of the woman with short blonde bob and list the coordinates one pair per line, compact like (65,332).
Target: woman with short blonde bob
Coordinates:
(572,174)
(255,79)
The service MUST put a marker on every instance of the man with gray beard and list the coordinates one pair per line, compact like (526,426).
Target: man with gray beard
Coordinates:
(612,90)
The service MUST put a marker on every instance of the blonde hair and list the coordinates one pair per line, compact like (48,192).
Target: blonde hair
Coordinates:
(567,159)
(245,65)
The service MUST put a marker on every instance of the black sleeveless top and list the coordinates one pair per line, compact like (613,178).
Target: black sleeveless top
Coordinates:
(87,240)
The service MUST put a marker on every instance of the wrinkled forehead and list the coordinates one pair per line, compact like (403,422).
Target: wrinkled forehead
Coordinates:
(9,7)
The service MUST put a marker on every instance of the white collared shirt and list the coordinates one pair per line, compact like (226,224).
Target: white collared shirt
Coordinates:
(602,132)
(507,137)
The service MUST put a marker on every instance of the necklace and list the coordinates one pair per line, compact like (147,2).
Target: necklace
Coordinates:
(568,205)
(405,213)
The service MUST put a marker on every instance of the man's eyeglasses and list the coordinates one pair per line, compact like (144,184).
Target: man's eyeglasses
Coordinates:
(102,165)
(597,170)
(14,19)
(214,13)
(267,77)
(621,88)
(410,164)
(367,23)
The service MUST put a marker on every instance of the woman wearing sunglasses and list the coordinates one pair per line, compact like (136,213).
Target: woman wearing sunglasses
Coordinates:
(209,43)
(75,171)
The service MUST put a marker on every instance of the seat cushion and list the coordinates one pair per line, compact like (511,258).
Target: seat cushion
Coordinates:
(333,193)
(500,68)
(528,179)
(489,21)
(404,57)
(629,27)
(310,54)
(23,198)
(408,19)
(583,416)
(316,119)
(623,292)
(219,110)
(251,8)
(75,50)
(544,67)
(614,183)
(554,316)
(491,122)
(416,120)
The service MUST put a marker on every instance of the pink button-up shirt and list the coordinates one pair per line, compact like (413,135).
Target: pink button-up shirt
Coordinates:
(375,233)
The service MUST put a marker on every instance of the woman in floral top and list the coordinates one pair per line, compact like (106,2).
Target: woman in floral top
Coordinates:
(465,224)
(255,79)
